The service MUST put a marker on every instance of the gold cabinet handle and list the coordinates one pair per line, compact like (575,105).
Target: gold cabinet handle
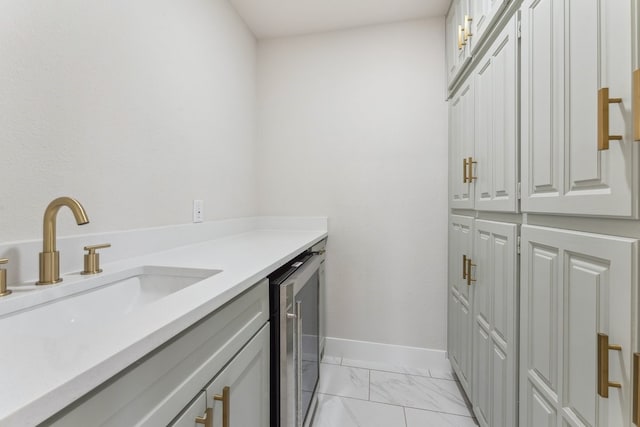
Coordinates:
(469,265)
(225,398)
(603,365)
(603,119)
(461,38)
(636,391)
(3,279)
(207,419)
(92,258)
(467,27)
(470,163)
(636,105)
(464,267)
(465,178)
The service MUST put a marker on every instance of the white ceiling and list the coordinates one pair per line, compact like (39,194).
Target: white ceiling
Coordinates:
(277,18)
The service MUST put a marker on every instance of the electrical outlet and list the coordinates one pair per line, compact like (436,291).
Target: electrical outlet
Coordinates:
(198,210)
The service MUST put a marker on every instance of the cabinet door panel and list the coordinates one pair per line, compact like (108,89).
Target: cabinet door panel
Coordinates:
(461,145)
(451,42)
(583,282)
(569,51)
(460,300)
(456,57)
(247,377)
(495,348)
(496,137)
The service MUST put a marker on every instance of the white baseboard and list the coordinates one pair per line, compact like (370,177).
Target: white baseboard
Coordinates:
(414,357)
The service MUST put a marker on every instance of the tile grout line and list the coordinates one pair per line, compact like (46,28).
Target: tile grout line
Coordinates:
(369,399)
(391,372)
(404,411)
(361,400)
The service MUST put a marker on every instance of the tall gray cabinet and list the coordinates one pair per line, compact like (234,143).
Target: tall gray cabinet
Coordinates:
(544,114)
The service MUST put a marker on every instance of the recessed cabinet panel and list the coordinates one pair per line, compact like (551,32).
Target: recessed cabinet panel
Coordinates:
(586,281)
(503,384)
(482,381)
(541,316)
(571,50)
(540,413)
(539,103)
(583,283)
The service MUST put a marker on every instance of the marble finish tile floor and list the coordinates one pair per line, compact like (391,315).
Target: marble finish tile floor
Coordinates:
(356,393)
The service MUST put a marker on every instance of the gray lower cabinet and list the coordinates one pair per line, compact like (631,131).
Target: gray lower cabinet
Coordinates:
(155,390)
(244,384)
(240,393)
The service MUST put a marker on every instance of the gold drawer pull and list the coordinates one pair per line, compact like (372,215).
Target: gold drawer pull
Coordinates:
(603,119)
(636,105)
(636,392)
(226,404)
(469,265)
(603,365)
(207,419)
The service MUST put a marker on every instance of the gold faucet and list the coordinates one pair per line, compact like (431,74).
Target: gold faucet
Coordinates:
(50,257)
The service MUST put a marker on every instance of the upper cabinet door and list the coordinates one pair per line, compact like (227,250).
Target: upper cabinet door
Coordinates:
(571,50)
(496,139)
(458,48)
(482,15)
(461,146)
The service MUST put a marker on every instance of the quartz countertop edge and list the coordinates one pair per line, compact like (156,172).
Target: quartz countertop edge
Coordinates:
(38,381)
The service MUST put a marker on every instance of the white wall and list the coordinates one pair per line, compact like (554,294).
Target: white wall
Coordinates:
(134,108)
(353,125)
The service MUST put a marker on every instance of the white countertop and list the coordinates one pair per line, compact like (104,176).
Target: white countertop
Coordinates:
(40,376)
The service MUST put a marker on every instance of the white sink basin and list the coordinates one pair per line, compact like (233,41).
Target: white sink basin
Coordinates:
(105,298)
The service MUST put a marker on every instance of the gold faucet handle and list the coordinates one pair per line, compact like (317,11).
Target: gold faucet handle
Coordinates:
(3,279)
(92,249)
(92,258)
